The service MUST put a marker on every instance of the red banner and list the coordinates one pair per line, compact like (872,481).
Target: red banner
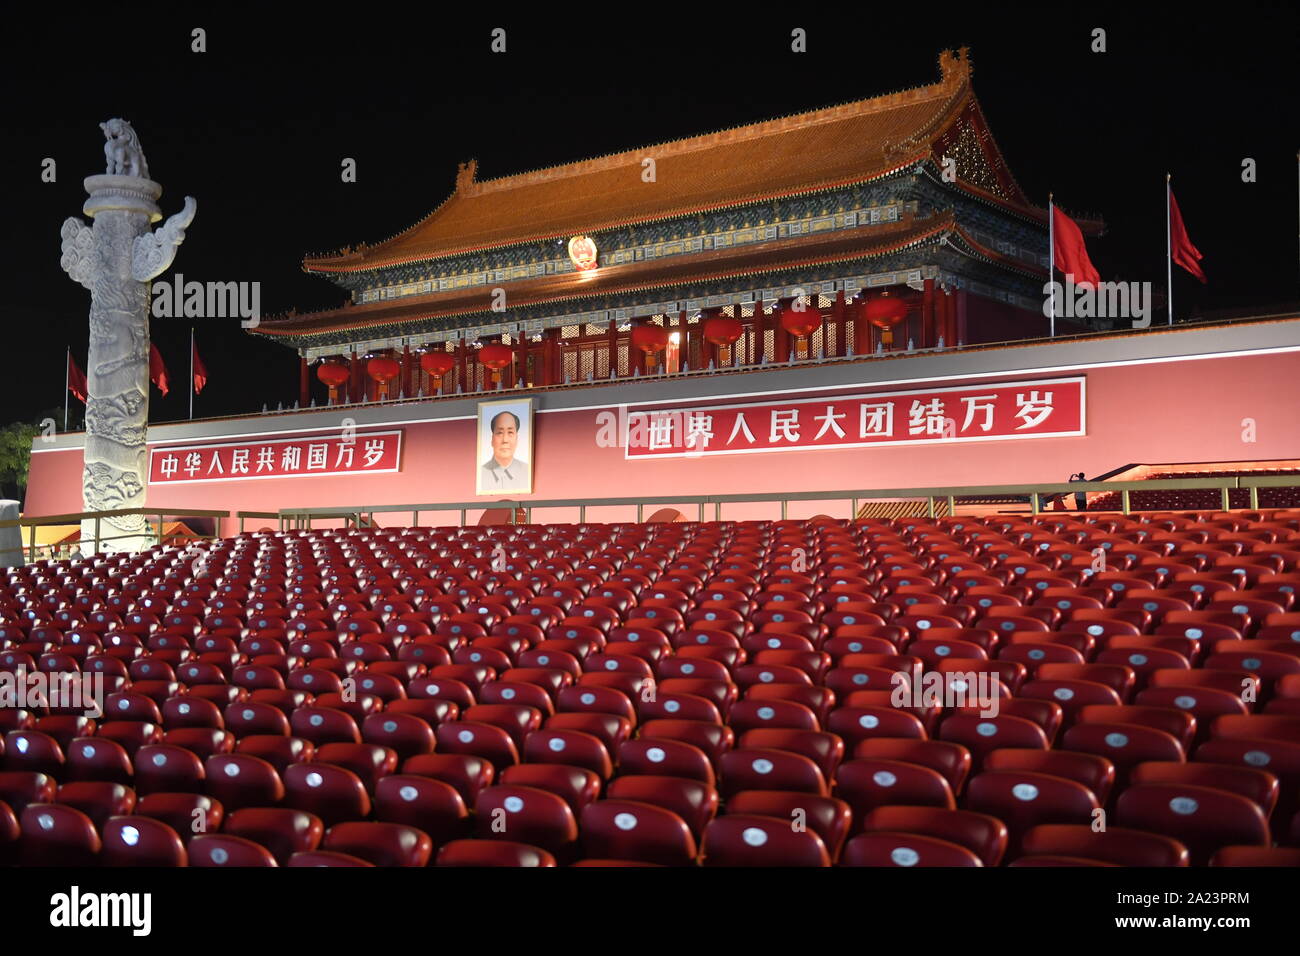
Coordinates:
(1001,411)
(363,453)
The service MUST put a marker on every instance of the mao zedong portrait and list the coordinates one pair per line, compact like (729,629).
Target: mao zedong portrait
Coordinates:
(503,470)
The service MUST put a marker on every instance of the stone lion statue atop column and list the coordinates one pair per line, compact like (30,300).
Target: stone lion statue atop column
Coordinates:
(122,150)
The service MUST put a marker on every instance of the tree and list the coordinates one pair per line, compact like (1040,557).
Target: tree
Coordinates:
(16,450)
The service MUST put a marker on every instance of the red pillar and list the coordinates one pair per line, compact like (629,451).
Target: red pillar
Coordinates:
(550,356)
(837,321)
(304,382)
(613,347)
(521,361)
(354,386)
(679,326)
(462,352)
(861,328)
(635,357)
(928,336)
(781,347)
(946,317)
(407,363)
(959,315)
(760,332)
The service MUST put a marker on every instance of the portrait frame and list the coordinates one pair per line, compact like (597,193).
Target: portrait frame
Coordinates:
(486,464)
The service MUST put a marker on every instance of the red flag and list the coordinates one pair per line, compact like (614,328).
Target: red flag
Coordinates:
(1180,244)
(157,370)
(200,370)
(76,380)
(1071,254)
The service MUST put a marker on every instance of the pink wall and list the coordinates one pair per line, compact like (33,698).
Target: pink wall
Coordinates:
(1176,411)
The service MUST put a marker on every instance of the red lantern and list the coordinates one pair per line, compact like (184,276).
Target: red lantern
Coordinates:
(333,374)
(884,312)
(437,364)
(496,357)
(722,330)
(650,339)
(383,369)
(801,324)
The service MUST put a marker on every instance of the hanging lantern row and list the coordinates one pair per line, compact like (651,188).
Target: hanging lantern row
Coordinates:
(884,312)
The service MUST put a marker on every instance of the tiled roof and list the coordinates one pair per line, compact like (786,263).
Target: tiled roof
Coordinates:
(805,153)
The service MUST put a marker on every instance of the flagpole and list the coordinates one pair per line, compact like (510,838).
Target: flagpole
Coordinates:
(1169,252)
(191,373)
(1051,260)
(67,382)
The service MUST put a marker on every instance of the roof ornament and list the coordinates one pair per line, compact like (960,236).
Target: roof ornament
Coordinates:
(465,175)
(955,67)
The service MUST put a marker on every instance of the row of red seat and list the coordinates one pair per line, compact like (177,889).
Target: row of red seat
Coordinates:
(605,665)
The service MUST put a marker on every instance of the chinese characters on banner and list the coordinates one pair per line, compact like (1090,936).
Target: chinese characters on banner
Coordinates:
(337,454)
(1000,411)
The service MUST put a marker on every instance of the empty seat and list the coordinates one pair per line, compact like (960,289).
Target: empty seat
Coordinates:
(1204,819)
(55,835)
(430,805)
(382,844)
(695,802)
(493,853)
(331,793)
(905,850)
(983,835)
(1022,799)
(224,850)
(527,815)
(828,817)
(754,841)
(281,830)
(141,841)
(866,783)
(633,830)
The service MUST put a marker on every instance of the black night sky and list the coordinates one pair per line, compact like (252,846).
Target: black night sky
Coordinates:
(256,128)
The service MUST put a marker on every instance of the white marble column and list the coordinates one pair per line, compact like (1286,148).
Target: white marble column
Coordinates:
(116,259)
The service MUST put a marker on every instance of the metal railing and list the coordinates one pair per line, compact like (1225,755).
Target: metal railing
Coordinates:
(1036,496)
(29,550)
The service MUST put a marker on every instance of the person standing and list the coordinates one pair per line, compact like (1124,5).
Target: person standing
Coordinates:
(1080,498)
